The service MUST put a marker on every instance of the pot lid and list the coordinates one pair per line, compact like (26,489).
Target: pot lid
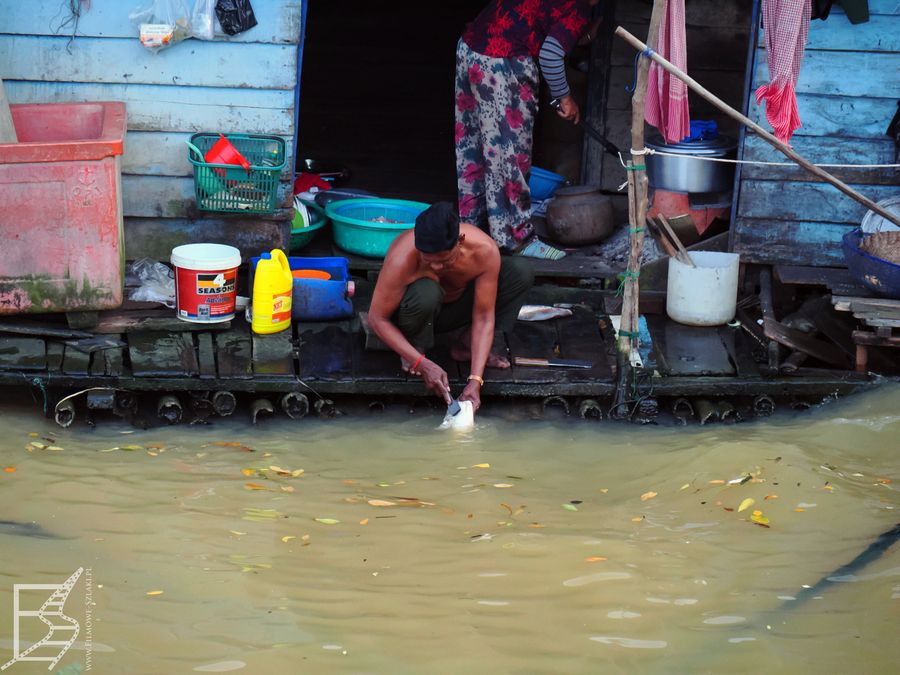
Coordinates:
(710,146)
(573,190)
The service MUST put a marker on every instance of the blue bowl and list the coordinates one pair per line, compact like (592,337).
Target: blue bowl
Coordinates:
(543,183)
(882,277)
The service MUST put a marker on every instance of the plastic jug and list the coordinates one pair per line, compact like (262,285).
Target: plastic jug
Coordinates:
(272,293)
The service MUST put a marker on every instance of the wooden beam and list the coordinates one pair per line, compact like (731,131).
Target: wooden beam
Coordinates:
(784,148)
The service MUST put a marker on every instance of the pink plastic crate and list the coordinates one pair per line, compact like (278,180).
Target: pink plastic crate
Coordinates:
(61,242)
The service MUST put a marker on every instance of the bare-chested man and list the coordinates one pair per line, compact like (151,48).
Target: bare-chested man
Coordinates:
(445,275)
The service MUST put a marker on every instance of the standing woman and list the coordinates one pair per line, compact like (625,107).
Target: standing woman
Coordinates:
(497,84)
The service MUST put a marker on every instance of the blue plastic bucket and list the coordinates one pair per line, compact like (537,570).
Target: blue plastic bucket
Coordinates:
(543,183)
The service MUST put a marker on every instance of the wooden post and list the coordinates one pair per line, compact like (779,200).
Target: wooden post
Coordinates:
(7,129)
(784,148)
(637,214)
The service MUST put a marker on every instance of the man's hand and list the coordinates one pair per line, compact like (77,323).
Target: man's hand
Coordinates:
(435,378)
(568,109)
(472,393)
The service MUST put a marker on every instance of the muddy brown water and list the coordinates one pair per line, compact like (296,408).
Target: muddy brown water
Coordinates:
(524,547)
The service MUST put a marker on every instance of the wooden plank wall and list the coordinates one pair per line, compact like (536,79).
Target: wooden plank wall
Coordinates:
(847,94)
(240,84)
(717,39)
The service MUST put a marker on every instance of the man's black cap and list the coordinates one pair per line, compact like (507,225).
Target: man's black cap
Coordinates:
(437,228)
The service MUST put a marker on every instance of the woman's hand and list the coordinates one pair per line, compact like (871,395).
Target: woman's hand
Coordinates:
(435,378)
(472,393)
(568,109)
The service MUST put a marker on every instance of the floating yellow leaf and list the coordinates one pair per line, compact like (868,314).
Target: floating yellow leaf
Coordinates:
(768,497)
(305,537)
(287,488)
(637,519)
(248,472)
(381,502)
(297,472)
(595,558)
(255,486)
(236,533)
(131,448)
(604,490)
(647,495)
(717,482)
(350,481)
(484,465)
(327,521)
(799,509)
(502,485)
(383,485)
(364,521)
(884,481)
(685,486)
(535,525)
(288,538)
(746,504)
(154,592)
(758,518)
(10,469)
(152,454)
(280,471)
(59,449)
(37,446)
(570,507)
(33,434)
(830,488)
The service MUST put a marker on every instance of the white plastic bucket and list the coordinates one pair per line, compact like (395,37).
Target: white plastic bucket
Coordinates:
(705,295)
(205,282)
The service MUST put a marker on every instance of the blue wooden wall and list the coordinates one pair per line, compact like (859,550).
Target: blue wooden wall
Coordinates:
(246,83)
(847,94)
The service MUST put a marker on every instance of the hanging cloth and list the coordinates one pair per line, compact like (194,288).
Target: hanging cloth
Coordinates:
(786,26)
(666,106)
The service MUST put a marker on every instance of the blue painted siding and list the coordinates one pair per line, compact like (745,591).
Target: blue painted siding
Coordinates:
(246,83)
(847,93)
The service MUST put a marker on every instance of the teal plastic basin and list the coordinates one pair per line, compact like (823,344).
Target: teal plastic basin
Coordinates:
(355,231)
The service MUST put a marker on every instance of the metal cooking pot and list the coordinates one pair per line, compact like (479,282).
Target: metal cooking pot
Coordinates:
(685,174)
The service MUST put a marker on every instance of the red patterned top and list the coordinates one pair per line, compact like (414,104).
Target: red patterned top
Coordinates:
(509,28)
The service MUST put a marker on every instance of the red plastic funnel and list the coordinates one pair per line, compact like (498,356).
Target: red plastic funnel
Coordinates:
(224,152)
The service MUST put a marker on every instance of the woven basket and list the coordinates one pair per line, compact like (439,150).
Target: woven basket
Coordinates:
(884,245)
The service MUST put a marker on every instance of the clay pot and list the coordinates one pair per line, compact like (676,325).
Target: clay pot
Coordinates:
(579,215)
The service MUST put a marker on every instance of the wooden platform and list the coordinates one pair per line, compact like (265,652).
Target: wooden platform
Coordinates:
(330,358)
(881,324)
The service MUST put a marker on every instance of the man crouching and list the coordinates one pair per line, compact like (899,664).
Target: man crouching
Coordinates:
(445,275)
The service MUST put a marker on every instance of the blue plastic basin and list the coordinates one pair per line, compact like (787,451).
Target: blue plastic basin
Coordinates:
(356,230)
(880,276)
(319,299)
(543,183)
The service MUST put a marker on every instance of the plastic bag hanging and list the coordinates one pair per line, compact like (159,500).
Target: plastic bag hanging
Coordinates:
(203,20)
(236,16)
(162,23)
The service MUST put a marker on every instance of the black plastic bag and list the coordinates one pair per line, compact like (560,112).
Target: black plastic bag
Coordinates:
(236,16)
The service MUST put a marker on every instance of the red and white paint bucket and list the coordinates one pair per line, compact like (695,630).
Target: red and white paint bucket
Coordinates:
(205,282)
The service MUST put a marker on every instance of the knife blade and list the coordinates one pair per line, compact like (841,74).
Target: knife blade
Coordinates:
(453,407)
(549,363)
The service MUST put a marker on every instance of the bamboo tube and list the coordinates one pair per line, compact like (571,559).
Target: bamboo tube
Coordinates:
(746,121)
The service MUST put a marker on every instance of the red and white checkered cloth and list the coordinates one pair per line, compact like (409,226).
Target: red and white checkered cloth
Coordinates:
(666,106)
(786,26)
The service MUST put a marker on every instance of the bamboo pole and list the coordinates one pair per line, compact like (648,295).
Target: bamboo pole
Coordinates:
(768,137)
(637,214)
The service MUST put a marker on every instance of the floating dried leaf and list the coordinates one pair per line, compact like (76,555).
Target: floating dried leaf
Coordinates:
(799,509)
(287,488)
(483,465)
(685,486)
(595,558)
(248,472)
(768,497)
(130,448)
(502,485)
(37,446)
(647,495)
(255,486)
(280,471)
(152,454)
(33,434)
(758,518)
(381,502)
(155,592)
(507,507)
(227,444)
(383,485)
(718,481)
(884,481)
(536,525)
(297,472)
(350,481)
(327,521)
(637,519)
(288,538)
(10,469)
(155,446)
(236,533)
(364,521)
(604,490)
(570,507)
(56,448)
(746,504)
(830,488)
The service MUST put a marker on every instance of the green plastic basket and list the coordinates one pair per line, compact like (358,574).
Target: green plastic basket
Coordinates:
(229,188)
